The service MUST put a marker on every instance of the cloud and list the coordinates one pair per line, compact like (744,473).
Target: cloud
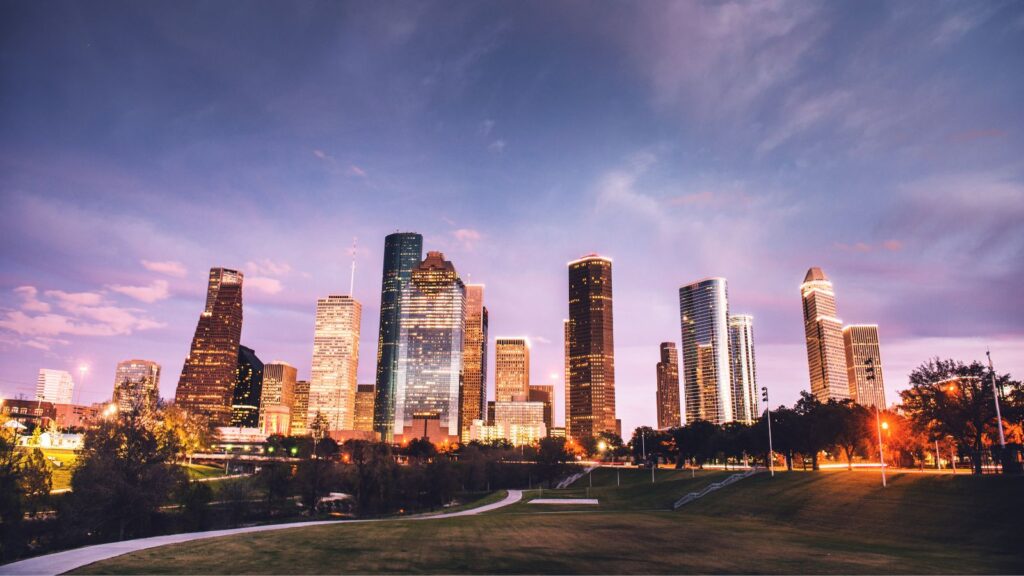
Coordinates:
(86,314)
(498,146)
(267,267)
(356,171)
(865,247)
(801,115)
(168,267)
(468,237)
(322,155)
(264,284)
(30,302)
(157,290)
(486,127)
(617,189)
(72,301)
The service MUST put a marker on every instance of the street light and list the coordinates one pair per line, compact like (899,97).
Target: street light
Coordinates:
(768,412)
(995,395)
(881,453)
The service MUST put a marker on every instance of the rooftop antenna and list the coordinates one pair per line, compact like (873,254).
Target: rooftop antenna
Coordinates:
(352,277)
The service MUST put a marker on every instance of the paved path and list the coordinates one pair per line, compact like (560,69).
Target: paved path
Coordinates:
(68,560)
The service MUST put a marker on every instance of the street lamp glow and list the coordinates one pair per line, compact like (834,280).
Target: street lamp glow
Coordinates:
(885,425)
(602,446)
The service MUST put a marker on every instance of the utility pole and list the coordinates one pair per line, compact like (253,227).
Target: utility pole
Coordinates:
(768,414)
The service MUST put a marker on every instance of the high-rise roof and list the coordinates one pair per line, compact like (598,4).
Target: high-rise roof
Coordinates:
(815,274)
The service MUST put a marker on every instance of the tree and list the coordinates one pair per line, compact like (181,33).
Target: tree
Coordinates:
(24,481)
(552,460)
(814,433)
(36,480)
(847,424)
(276,479)
(695,441)
(948,398)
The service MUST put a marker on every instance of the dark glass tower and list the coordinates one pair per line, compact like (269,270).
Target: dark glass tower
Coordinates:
(207,381)
(591,404)
(668,387)
(245,406)
(403,251)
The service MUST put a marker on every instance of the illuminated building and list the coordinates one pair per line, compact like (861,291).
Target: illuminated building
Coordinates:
(54,386)
(707,381)
(426,426)
(545,394)
(300,409)
(430,345)
(403,251)
(136,383)
(277,397)
(823,331)
(744,371)
(77,416)
(565,369)
(668,387)
(522,422)
(24,411)
(864,364)
(473,400)
(207,380)
(332,382)
(591,381)
(364,408)
(557,432)
(511,369)
(245,404)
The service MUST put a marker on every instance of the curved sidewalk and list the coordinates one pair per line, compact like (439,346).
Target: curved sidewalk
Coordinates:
(61,562)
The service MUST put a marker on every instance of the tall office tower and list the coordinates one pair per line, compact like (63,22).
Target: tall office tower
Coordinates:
(473,399)
(207,381)
(668,387)
(430,346)
(565,369)
(824,333)
(364,408)
(403,251)
(707,381)
(545,394)
(54,386)
(277,397)
(591,347)
(245,403)
(864,364)
(744,370)
(300,409)
(511,369)
(136,384)
(332,382)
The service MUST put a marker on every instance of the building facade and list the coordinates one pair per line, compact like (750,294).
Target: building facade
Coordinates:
(744,369)
(277,397)
(403,251)
(864,365)
(364,408)
(591,381)
(668,387)
(823,332)
(54,386)
(245,404)
(299,426)
(707,380)
(545,394)
(473,399)
(206,386)
(332,381)
(136,383)
(430,345)
(511,369)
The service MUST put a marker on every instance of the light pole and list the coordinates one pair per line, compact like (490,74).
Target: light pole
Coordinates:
(995,395)
(768,414)
(881,453)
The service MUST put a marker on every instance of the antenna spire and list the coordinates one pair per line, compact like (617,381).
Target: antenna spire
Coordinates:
(352,277)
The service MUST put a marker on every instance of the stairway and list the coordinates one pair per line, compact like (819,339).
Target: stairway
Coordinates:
(715,486)
(568,481)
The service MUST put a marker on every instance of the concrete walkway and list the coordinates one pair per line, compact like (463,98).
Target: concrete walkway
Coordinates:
(68,560)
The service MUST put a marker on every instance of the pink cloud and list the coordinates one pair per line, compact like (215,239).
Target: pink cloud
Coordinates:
(267,267)
(30,302)
(157,290)
(169,267)
(468,237)
(354,170)
(264,284)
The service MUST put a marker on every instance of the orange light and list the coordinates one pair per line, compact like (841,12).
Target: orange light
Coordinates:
(885,425)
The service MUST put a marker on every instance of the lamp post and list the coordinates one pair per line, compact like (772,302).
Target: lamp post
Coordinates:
(995,395)
(768,415)
(881,453)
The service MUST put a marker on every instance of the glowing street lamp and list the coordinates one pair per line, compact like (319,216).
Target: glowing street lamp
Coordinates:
(768,414)
(881,453)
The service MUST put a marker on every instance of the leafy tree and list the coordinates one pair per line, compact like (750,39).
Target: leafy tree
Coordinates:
(195,498)
(24,482)
(848,426)
(276,480)
(695,441)
(36,480)
(815,432)
(787,428)
(552,460)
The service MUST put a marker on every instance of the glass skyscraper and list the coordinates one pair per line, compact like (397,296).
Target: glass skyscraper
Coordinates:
(511,369)
(136,384)
(403,251)
(668,387)
(591,349)
(707,380)
(432,325)
(864,364)
(473,399)
(245,404)
(744,369)
(332,380)
(207,381)
(823,330)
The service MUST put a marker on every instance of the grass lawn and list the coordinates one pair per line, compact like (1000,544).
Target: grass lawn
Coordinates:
(61,475)
(202,471)
(826,522)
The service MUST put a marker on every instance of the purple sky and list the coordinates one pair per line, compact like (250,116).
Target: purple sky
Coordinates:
(143,143)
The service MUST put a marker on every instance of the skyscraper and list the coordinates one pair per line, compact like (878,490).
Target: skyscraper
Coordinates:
(591,381)
(545,394)
(136,383)
(300,409)
(707,381)
(403,251)
(744,370)
(864,364)
(511,369)
(277,397)
(824,334)
(363,421)
(207,380)
(245,403)
(332,382)
(54,386)
(565,369)
(430,346)
(473,399)
(668,387)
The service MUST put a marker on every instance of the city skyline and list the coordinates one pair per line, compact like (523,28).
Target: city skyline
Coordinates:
(897,174)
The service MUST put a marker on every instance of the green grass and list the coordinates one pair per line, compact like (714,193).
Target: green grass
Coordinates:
(202,471)
(61,475)
(471,500)
(829,522)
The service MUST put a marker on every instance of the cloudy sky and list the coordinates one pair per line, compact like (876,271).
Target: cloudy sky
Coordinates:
(142,143)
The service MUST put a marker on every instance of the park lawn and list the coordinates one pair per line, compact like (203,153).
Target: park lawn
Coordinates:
(827,522)
(60,475)
(202,471)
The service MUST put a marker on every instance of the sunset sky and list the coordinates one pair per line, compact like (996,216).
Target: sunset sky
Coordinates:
(142,143)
